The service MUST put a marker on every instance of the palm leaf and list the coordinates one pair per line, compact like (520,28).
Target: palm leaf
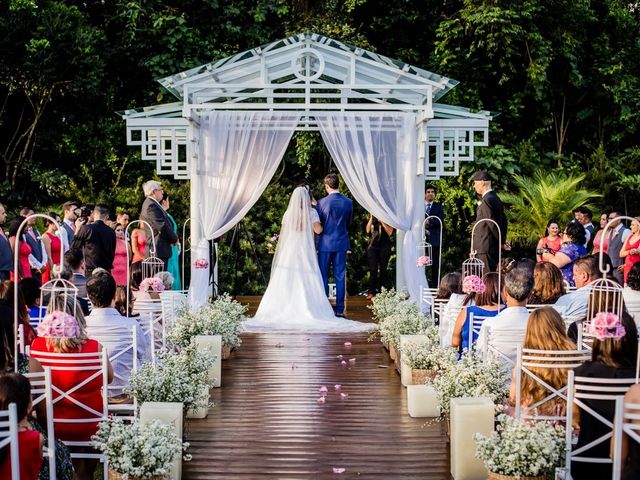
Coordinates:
(546,196)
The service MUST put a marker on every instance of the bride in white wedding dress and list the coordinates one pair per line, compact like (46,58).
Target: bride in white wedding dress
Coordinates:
(295,299)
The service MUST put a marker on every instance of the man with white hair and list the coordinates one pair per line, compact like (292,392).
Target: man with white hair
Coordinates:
(153,213)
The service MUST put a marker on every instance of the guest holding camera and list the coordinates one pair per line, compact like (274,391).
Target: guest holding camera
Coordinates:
(551,241)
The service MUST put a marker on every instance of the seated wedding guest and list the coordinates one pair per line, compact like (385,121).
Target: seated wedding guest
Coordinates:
(545,331)
(121,301)
(518,284)
(6,299)
(104,320)
(15,388)
(507,264)
(59,332)
(548,286)
(597,240)
(614,352)
(585,272)
(631,249)
(449,284)
(551,241)
(166,278)
(31,292)
(631,292)
(572,248)
(486,306)
(450,313)
(631,447)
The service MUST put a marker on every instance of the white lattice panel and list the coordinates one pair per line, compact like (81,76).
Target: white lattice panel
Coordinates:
(450,142)
(163,141)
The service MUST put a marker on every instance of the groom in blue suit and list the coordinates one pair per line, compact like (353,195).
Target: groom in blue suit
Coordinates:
(335,211)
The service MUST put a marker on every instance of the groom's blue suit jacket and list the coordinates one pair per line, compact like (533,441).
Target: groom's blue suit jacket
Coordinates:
(335,211)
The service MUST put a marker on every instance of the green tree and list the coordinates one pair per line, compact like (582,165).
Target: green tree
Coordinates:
(546,196)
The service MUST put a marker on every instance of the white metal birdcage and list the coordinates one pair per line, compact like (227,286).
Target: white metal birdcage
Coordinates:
(472,266)
(151,266)
(423,255)
(605,296)
(59,295)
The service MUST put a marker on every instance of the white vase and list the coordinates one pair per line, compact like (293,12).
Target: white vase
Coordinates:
(168,413)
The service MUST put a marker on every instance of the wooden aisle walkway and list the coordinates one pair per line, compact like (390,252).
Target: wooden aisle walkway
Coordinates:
(267,423)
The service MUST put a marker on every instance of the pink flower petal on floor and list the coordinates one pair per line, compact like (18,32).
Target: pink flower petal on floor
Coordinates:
(352,361)
(337,387)
(321,401)
(343,363)
(347,344)
(323,389)
(339,357)
(344,396)
(339,470)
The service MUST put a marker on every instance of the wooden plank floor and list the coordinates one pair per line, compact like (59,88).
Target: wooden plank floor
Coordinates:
(267,423)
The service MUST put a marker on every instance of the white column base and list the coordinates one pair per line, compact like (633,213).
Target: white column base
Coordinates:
(169,413)
(212,343)
(469,416)
(422,401)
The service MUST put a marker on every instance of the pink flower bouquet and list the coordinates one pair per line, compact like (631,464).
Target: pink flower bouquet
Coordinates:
(59,325)
(201,263)
(152,284)
(423,261)
(473,284)
(606,325)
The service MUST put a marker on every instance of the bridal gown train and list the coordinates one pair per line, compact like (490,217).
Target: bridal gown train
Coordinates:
(295,299)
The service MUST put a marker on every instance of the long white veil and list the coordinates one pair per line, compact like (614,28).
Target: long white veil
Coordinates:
(295,298)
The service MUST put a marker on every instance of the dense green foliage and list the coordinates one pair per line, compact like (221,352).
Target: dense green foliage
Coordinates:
(564,75)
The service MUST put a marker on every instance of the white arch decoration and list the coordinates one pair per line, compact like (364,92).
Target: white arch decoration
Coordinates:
(309,75)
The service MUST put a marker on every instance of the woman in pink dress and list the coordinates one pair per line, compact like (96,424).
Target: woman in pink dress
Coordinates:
(24,269)
(598,238)
(53,247)
(119,271)
(631,249)
(551,241)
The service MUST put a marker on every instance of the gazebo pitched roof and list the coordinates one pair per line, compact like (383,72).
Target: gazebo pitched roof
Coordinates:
(307,58)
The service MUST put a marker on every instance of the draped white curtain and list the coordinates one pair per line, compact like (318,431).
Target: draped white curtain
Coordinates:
(376,154)
(239,153)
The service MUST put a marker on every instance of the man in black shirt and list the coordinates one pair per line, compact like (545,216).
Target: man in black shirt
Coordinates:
(97,240)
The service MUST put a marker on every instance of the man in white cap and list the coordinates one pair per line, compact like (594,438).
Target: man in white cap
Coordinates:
(486,241)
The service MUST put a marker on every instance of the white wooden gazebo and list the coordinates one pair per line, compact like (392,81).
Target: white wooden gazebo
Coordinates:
(305,78)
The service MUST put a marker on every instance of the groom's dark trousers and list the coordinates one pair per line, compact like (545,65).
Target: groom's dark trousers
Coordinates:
(335,211)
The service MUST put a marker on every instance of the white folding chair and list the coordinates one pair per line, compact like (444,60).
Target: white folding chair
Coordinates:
(9,437)
(580,389)
(148,329)
(20,339)
(529,359)
(426,298)
(95,366)
(496,339)
(626,422)
(122,347)
(38,381)
(152,308)
(171,301)
(531,308)
(475,324)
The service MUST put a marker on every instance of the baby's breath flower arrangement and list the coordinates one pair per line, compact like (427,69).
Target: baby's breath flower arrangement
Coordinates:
(175,377)
(389,302)
(411,323)
(137,451)
(222,317)
(428,355)
(522,449)
(472,377)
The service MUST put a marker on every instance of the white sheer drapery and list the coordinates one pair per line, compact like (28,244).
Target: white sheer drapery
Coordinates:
(239,153)
(375,153)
